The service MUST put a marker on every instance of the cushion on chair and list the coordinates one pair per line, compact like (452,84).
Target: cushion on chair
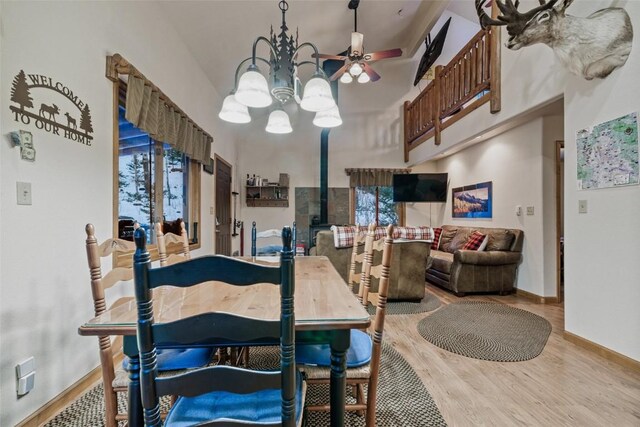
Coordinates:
(264,406)
(359,352)
(269,250)
(171,359)
(441,261)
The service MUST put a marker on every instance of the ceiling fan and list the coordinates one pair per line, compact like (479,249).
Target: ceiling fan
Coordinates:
(356,61)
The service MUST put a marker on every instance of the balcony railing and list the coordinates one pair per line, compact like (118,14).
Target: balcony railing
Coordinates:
(471,79)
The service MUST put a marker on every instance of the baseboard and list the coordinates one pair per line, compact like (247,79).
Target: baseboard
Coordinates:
(61,401)
(608,354)
(536,298)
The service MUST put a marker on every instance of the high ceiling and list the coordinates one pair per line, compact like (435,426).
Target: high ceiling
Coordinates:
(220,34)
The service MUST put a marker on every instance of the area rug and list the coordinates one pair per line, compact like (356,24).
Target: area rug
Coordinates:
(402,399)
(430,302)
(487,331)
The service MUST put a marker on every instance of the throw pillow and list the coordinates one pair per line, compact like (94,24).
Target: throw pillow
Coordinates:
(459,240)
(475,241)
(446,237)
(436,238)
(500,240)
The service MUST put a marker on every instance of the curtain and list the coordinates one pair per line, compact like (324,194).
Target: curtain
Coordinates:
(373,177)
(145,110)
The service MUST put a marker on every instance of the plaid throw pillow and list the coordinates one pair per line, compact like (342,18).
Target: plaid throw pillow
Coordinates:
(343,236)
(436,238)
(475,241)
(414,233)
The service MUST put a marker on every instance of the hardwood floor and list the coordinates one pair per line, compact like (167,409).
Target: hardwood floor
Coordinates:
(565,386)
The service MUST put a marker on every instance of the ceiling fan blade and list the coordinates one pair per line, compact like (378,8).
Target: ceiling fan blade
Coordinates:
(357,40)
(339,73)
(383,54)
(370,72)
(327,56)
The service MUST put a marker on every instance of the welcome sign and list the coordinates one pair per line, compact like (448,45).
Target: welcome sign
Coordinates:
(45,116)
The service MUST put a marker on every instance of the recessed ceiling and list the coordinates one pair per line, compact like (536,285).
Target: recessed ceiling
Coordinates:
(220,34)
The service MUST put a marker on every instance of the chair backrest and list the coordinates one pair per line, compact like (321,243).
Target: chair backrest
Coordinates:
(165,240)
(378,324)
(365,275)
(100,283)
(228,328)
(255,235)
(357,257)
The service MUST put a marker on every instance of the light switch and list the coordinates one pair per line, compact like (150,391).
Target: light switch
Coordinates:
(529,210)
(582,206)
(210,210)
(24,193)
(518,210)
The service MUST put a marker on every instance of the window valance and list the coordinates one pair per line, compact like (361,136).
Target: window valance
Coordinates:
(149,109)
(373,177)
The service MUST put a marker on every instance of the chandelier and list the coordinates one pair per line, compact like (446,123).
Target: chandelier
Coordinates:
(253,90)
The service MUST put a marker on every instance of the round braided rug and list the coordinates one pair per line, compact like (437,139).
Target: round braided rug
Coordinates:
(487,331)
(402,401)
(430,302)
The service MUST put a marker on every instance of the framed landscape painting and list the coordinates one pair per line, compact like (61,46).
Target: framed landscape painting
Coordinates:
(473,201)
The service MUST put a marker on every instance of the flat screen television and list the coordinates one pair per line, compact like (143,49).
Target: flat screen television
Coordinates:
(420,187)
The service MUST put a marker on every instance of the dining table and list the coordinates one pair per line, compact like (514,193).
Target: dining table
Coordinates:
(325,312)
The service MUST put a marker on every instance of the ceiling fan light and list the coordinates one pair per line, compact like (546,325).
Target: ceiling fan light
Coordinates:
(364,78)
(234,112)
(253,89)
(328,119)
(279,123)
(355,70)
(317,95)
(346,78)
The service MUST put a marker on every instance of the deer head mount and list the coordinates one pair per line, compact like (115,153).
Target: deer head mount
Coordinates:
(590,47)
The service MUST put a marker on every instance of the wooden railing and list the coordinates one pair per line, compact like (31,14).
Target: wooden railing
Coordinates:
(474,73)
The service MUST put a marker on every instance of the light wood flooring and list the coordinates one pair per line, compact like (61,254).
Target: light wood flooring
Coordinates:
(565,386)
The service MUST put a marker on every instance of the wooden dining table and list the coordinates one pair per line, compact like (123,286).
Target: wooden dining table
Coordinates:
(324,304)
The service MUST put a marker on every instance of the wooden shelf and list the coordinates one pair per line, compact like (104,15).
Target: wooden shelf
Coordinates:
(269,196)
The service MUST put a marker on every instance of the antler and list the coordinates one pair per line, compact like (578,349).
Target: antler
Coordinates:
(510,16)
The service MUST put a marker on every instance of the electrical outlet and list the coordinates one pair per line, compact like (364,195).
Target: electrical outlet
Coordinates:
(26,384)
(25,367)
(23,193)
(582,206)
(211,210)
(529,210)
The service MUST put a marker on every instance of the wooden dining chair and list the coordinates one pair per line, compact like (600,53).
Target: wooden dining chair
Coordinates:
(115,378)
(218,395)
(363,356)
(270,249)
(359,249)
(170,239)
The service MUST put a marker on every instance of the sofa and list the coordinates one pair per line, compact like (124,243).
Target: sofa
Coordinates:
(408,264)
(493,269)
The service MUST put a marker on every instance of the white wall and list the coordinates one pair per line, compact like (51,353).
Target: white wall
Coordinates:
(602,271)
(44,287)
(601,247)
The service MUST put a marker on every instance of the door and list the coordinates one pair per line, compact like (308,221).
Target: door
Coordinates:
(223,206)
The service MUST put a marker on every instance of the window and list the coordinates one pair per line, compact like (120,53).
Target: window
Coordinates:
(375,204)
(156,183)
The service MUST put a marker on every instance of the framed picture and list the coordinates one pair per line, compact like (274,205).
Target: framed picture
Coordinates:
(472,201)
(208,168)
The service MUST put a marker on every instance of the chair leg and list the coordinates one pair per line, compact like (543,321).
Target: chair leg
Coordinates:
(360,397)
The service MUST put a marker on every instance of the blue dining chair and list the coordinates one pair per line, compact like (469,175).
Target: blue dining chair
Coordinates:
(115,378)
(218,395)
(268,249)
(363,356)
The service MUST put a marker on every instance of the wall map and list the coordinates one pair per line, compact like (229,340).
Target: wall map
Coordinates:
(46,115)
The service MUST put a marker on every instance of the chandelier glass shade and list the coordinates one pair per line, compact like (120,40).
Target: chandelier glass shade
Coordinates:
(364,78)
(253,89)
(279,122)
(328,118)
(355,70)
(234,112)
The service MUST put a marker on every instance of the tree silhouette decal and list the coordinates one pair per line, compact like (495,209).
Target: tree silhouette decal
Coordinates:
(85,120)
(20,91)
